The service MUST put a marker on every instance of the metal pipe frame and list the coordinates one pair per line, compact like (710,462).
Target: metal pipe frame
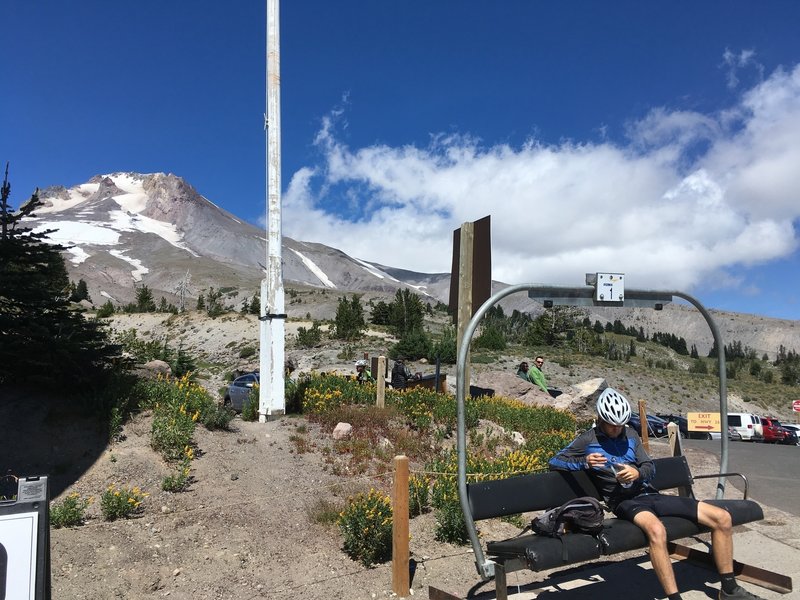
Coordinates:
(486,568)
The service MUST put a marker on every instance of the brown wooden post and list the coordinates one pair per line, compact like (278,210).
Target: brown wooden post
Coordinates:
(644,426)
(674,433)
(400,551)
(465,289)
(380,382)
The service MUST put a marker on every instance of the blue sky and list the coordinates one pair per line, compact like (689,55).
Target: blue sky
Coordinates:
(658,140)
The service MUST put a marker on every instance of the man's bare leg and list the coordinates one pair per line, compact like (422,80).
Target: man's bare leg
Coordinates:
(719,521)
(659,555)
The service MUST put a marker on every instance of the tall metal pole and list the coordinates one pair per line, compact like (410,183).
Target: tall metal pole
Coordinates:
(271,399)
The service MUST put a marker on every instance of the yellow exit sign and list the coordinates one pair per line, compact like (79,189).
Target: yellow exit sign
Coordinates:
(703,421)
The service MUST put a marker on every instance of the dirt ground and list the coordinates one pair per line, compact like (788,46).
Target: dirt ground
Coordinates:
(245,528)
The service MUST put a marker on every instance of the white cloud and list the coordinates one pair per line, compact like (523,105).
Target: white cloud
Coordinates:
(736,62)
(691,196)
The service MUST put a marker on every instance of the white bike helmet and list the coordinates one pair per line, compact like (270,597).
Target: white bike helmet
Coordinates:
(361,363)
(613,407)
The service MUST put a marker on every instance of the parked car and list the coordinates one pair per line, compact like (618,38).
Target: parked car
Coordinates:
(748,425)
(793,430)
(681,422)
(733,434)
(656,427)
(239,390)
(773,432)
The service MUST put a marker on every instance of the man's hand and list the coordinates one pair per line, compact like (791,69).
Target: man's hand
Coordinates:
(595,459)
(628,474)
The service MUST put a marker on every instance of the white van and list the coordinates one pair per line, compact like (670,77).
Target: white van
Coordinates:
(748,425)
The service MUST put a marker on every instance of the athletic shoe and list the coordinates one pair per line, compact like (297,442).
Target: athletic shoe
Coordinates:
(740,593)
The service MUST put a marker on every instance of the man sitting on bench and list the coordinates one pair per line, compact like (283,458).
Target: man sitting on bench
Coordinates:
(621,469)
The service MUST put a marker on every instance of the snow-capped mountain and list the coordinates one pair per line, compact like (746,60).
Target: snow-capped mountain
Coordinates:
(126,229)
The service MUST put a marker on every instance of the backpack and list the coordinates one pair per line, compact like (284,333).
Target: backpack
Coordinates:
(581,515)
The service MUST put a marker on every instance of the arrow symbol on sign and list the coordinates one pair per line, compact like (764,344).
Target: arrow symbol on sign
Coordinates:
(709,427)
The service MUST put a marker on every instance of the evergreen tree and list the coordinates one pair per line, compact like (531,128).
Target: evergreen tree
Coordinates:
(406,312)
(381,314)
(214,306)
(41,337)
(445,348)
(349,323)
(106,310)
(255,304)
(144,300)
(491,338)
(81,292)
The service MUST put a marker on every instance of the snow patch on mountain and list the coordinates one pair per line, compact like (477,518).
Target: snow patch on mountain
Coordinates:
(75,196)
(94,232)
(372,270)
(79,255)
(312,266)
(139,268)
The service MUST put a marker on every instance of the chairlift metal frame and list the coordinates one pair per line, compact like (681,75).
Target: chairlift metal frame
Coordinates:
(570,296)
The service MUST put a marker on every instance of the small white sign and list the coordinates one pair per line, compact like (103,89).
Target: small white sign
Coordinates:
(609,287)
(18,534)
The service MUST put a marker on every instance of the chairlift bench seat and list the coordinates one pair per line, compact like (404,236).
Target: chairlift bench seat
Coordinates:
(542,491)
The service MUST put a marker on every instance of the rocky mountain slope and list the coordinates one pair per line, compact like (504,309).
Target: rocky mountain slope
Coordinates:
(127,229)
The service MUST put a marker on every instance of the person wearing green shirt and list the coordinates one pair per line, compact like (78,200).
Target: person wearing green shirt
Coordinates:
(363,374)
(535,375)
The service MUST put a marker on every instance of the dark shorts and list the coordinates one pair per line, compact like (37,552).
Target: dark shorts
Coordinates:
(661,506)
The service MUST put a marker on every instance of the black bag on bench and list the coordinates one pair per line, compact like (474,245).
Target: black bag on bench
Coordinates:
(581,515)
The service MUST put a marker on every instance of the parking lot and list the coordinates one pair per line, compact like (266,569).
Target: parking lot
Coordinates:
(772,470)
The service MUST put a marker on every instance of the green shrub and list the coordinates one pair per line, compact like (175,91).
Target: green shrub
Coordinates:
(70,512)
(445,348)
(250,407)
(528,420)
(294,390)
(413,345)
(106,310)
(217,417)
(450,526)
(491,338)
(247,352)
(172,431)
(122,503)
(180,480)
(308,338)
(418,495)
(366,525)
(324,393)
(444,493)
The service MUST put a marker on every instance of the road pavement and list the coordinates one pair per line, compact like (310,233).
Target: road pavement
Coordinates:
(772,471)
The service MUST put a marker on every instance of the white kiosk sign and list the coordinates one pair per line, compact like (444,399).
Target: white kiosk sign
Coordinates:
(25,542)
(18,539)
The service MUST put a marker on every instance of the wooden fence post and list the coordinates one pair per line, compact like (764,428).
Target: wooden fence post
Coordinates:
(380,382)
(644,426)
(400,551)
(465,291)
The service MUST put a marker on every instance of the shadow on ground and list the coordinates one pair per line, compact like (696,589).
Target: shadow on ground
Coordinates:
(46,434)
(631,578)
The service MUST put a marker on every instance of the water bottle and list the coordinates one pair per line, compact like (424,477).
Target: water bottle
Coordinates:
(618,466)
